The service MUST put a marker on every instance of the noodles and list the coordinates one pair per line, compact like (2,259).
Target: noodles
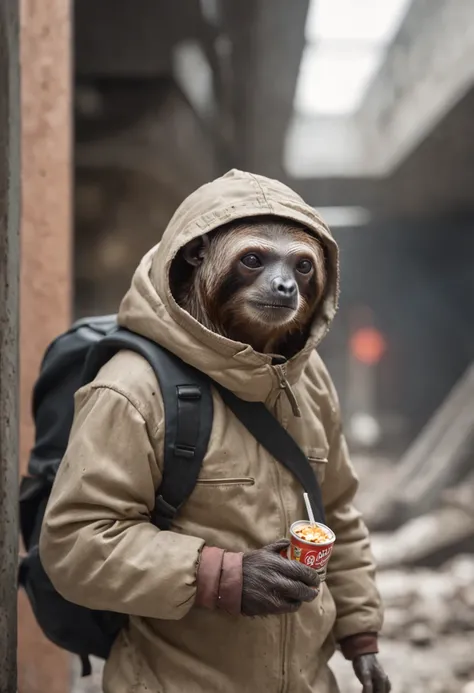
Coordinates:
(313,534)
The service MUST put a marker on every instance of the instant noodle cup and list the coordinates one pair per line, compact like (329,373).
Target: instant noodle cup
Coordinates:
(311,544)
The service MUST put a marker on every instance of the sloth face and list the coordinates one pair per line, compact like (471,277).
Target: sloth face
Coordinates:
(256,280)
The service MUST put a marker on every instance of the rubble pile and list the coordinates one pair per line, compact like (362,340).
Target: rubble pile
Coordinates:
(428,638)
(423,605)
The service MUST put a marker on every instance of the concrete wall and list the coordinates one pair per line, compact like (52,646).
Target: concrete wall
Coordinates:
(45,257)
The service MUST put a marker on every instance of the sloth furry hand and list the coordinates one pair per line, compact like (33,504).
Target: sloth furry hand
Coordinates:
(371,675)
(275,585)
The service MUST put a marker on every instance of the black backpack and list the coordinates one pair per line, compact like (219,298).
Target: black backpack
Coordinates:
(74,359)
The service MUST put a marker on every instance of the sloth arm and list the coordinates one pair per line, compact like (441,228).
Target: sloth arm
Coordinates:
(101,551)
(97,543)
(351,570)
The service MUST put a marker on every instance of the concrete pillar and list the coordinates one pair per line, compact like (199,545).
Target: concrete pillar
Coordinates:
(46,239)
(9,270)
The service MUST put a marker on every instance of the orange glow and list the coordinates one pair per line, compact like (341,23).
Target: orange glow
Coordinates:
(368,345)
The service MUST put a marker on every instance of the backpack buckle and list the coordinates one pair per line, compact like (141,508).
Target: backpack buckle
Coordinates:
(189,392)
(164,509)
(186,451)
(163,513)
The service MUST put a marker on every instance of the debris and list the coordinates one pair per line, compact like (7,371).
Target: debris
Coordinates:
(427,540)
(420,635)
(439,458)
(427,643)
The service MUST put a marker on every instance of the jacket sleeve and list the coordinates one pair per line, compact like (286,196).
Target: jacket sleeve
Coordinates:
(97,543)
(351,570)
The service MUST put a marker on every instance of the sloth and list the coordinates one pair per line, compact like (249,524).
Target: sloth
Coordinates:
(257,281)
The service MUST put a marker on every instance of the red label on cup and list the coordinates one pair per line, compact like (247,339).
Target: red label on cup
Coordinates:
(311,554)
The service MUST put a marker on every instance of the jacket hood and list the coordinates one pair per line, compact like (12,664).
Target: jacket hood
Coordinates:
(150,309)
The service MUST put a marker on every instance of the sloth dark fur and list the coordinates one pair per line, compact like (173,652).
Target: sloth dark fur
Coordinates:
(257,281)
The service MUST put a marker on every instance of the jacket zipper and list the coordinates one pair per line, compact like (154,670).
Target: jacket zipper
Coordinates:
(284,640)
(278,411)
(286,388)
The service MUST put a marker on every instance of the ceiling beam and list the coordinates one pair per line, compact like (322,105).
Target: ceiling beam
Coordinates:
(267,38)
(428,69)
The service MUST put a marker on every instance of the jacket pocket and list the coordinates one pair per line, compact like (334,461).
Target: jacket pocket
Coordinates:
(318,459)
(227,481)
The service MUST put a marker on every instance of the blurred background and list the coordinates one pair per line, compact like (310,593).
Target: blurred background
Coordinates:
(364,107)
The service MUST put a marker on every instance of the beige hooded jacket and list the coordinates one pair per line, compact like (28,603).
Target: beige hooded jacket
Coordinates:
(98,545)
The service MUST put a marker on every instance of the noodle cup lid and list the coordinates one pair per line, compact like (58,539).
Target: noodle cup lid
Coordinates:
(306,523)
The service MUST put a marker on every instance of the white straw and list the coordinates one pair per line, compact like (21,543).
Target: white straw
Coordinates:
(309,509)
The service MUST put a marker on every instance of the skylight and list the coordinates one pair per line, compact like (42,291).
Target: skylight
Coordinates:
(346,43)
(344,216)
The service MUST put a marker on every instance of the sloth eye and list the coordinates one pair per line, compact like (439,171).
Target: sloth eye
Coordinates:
(304,266)
(251,261)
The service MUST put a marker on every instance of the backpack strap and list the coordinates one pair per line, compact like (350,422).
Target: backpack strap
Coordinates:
(188,410)
(187,401)
(277,441)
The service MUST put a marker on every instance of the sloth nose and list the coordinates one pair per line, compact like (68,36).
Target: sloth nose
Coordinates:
(286,288)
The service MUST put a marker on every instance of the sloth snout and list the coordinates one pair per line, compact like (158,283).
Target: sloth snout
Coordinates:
(284,288)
